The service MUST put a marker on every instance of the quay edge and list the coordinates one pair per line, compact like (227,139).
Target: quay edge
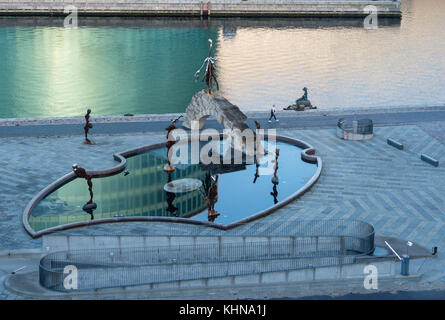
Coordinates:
(194,8)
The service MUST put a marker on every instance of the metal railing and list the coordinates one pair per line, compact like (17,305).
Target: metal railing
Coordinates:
(324,243)
(362,126)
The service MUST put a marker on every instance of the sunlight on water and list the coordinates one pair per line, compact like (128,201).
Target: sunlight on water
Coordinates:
(147,65)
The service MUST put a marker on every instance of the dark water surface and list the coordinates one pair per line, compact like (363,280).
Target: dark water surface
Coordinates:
(118,66)
(141,192)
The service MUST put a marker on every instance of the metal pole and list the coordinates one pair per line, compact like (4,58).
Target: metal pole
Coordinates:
(405,265)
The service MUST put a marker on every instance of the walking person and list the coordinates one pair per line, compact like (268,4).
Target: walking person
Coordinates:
(272,114)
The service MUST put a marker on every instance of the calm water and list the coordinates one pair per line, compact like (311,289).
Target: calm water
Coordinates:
(141,192)
(118,66)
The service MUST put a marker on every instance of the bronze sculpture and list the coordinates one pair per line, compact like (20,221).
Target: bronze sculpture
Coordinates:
(303,97)
(82,173)
(90,206)
(209,74)
(170,142)
(87,126)
(301,103)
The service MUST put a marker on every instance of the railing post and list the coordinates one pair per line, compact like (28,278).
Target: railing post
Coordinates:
(342,245)
(405,265)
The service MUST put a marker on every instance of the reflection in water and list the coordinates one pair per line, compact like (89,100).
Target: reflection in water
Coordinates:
(119,66)
(274,192)
(170,198)
(227,192)
(210,191)
(257,166)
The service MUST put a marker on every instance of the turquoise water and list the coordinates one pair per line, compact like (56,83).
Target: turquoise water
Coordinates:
(118,66)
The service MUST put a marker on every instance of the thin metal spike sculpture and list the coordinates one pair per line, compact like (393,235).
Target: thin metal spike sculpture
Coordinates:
(209,74)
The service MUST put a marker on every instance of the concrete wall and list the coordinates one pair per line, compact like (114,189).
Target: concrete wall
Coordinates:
(213,272)
(193,7)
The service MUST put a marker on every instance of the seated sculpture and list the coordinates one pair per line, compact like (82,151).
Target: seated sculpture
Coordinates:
(301,103)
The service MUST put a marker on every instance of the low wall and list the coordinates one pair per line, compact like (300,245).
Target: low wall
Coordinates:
(256,274)
(193,7)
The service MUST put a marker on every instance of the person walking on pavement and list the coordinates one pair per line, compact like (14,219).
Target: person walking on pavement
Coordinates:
(272,114)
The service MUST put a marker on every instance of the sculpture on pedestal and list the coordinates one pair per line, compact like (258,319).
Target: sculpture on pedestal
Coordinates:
(301,103)
(87,127)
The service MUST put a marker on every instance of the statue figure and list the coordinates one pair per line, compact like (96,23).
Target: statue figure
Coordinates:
(87,126)
(209,74)
(303,97)
(81,173)
(170,142)
(301,103)
(90,206)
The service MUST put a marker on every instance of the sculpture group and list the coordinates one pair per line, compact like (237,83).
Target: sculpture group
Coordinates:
(302,103)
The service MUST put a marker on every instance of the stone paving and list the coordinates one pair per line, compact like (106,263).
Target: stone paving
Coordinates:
(394,190)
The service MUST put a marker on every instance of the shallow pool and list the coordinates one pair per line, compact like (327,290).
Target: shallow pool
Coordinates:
(139,191)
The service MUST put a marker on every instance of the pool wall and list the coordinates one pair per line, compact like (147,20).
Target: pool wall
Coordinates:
(307,155)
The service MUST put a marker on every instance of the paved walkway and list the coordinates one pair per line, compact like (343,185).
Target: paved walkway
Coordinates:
(395,191)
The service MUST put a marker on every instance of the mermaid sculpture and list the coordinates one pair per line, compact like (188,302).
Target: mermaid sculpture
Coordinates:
(301,103)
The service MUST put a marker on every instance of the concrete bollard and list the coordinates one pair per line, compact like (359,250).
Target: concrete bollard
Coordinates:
(429,160)
(405,265)
(394,143)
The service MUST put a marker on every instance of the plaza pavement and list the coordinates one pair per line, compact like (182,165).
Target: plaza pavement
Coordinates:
(394,190)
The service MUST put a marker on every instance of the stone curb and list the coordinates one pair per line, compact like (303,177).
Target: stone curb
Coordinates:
(21,253)
(170,116)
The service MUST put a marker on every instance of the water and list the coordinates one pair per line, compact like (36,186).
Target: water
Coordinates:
(141,192)
(118,66)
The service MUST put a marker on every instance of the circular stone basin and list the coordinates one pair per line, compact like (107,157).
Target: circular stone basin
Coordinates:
(183,185)
(146,192)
